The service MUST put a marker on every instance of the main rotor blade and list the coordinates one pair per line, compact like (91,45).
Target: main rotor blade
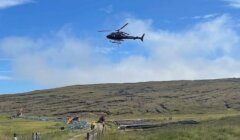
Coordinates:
(104,31)
(122,27)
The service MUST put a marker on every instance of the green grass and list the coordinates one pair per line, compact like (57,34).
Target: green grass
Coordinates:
(24,129)
(221,129)
(178,117)
(212,127)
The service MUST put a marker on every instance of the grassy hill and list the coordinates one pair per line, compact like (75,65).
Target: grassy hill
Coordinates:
(149,98)
(213,103)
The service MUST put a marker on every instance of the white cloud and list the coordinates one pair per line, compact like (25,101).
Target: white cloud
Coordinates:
(202,17)
(108,9)
(233,3)
(3,78)
(208,16)
(199,52)
(10,3)
(206,50)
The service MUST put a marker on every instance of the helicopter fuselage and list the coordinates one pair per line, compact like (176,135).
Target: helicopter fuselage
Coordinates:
(120,36)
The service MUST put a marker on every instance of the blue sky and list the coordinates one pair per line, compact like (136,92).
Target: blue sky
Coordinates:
(46,44)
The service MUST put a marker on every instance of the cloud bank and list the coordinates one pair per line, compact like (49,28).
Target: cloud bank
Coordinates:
(233,3)
(204,51)
(10,3)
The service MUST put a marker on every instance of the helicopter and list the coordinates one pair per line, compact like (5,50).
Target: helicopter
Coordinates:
(118,36)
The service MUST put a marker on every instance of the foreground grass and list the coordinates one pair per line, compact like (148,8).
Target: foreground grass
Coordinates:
(25,128)
(212,127)
(222,129)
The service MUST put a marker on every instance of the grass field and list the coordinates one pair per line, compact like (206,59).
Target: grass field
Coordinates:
(227,128)
(224,126)
(25,128)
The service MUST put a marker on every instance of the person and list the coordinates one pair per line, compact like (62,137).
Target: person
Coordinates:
(92,125)
(101,119)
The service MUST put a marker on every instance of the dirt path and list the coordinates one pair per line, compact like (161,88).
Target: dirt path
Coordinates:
(75,137)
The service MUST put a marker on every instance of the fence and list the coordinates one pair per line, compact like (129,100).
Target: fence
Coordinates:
(96,133)
(92,135)
(35,136)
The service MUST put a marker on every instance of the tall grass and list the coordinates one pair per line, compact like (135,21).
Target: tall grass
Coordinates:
(227,128)
(222,129)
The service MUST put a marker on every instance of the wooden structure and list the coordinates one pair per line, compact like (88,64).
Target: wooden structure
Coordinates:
(36,136)
(96,133)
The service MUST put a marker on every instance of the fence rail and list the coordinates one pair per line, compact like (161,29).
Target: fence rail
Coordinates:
(36,136)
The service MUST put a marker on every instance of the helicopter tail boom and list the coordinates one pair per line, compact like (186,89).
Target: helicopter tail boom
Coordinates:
(135,37)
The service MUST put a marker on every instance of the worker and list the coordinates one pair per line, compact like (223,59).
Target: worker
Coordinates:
(92,125)
(102,121)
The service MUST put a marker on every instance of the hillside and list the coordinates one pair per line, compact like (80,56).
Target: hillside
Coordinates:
(173,97)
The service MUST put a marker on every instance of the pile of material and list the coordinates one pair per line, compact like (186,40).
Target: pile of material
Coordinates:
(78,125)
(71,119)
(149,126)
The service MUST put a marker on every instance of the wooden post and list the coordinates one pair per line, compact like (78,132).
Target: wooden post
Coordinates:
(32,136)
(88,136)
(15,136)
(36,136)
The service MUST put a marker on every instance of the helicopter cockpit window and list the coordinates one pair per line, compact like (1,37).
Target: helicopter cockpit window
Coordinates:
(113,35)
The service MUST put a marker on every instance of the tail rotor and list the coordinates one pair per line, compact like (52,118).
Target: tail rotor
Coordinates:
(142,37)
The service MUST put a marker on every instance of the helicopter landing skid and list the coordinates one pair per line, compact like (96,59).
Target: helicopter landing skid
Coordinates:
(116,42)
